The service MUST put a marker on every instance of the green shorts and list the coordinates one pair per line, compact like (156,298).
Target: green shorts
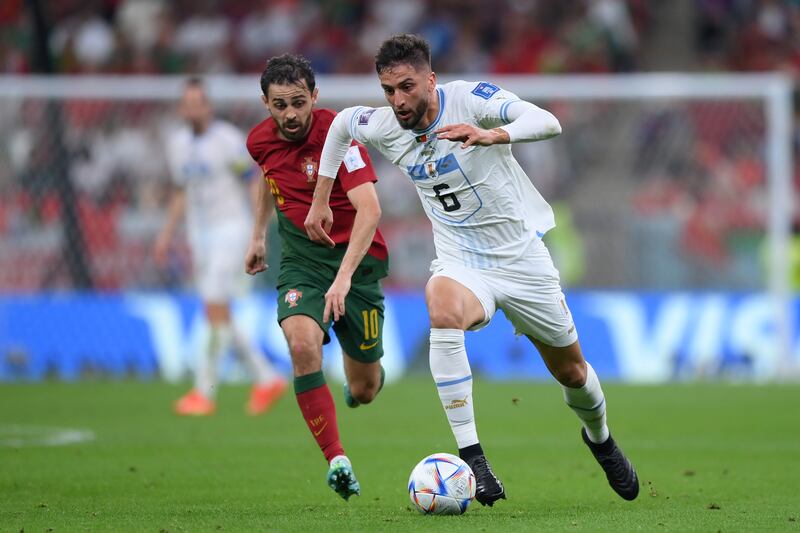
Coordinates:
(359,330)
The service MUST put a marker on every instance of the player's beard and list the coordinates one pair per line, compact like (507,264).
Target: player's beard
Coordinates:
(416,115)
(298,134)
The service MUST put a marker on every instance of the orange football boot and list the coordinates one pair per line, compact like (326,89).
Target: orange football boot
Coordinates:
(195,404)
(263,396)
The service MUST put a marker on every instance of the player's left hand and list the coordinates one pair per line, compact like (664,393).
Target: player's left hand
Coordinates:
(470,135)
(334,298)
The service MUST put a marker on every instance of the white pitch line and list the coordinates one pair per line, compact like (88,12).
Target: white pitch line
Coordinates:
(20,436)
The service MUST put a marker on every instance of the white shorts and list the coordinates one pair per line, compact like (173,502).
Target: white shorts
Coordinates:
(218,263)
(528,291)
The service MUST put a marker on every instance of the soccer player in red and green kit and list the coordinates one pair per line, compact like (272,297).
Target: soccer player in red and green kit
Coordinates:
(287,147)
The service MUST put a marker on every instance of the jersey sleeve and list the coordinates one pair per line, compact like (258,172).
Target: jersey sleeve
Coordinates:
(252,147)
(337,143)
(356,168)
(494,107)
(352,123)
(490,104)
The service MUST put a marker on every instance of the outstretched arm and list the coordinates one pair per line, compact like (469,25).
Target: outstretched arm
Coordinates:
(320,218)
(368,212)
(528,123)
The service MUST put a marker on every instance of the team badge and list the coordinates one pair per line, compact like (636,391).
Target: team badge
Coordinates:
(292,297)
(430,169)
(310,169)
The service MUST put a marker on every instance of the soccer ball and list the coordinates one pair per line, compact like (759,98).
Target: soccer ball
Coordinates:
(441,484)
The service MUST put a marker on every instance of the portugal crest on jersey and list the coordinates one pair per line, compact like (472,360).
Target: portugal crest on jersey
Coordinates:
(310,169)
(292,297)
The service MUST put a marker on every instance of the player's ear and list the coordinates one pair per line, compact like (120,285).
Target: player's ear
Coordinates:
(432,81)
(314,96)
(264,99)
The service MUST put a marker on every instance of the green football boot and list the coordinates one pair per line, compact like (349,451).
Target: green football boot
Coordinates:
(342,479)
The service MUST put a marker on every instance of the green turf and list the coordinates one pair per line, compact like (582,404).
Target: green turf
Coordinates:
(710,457)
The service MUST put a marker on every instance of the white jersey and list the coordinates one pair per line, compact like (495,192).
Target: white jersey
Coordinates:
(484,209)
(212,167)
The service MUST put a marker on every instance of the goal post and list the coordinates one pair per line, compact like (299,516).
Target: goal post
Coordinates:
(661,182)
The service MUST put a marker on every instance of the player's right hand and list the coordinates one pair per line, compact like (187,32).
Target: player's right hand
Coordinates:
(256,257)
(318,224)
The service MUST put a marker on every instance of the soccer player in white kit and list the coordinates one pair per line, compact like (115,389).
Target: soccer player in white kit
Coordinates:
(210,168)
(453,142)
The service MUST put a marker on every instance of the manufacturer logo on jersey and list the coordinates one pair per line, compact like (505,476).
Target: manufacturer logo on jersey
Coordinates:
(455,404)
(363,119)
(292,297)
(485,90)
(364,346)
(310,169)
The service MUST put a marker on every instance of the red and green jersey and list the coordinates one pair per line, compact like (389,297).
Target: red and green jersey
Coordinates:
(290,171)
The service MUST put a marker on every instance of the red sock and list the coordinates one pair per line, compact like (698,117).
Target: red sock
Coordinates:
(320,414)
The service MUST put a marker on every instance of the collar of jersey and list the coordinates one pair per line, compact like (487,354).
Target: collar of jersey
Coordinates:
(196,138)
(417,133)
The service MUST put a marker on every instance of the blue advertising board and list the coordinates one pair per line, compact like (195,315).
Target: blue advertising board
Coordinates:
(628,336)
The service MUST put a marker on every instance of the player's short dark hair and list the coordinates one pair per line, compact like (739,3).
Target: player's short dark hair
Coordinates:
(193,82)
(287,69)
(403,49)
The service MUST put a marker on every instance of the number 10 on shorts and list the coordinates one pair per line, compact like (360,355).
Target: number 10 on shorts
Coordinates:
(371,329)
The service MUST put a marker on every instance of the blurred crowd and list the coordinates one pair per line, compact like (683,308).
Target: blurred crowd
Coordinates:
(692,175)
(702,194)
(748,35)
(339,36)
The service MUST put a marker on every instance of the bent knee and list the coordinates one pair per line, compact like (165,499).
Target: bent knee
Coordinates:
(445,317)
(306,356)
(364,391)
(302,347)
(571,375)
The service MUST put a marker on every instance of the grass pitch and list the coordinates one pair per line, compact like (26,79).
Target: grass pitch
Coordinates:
(710,458)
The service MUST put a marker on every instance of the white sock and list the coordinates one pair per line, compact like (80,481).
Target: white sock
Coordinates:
(260,368)
(589,404)
(453,377)
(219,342)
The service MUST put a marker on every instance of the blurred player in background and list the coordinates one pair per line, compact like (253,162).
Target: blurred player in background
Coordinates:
(453,142)
(213,182)
(287,147)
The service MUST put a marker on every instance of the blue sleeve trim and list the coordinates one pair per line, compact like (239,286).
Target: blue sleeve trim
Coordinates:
(504,110)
